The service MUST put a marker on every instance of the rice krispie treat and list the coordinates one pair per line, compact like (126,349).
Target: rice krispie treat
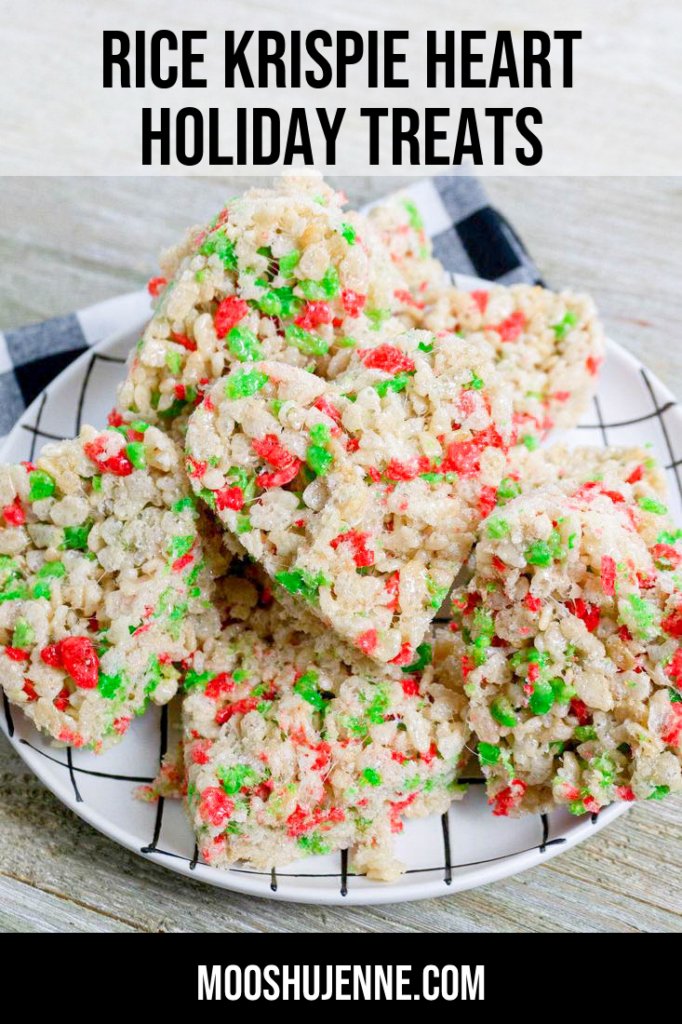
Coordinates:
(569,648)
(360,498)
(400,227)
(280,273)
(295,745)
(570,468)
(548,347)
(104,588)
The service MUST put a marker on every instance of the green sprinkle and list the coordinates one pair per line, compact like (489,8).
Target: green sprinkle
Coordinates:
(416,221)
(652,505)
(370,777)
(304,341)
(326,288)
(659,792)
(109,686)
(76,537)
(319,459)
(244,384)
(314,844)
(288,262)
(174,362)
(97,484)
(51,569)
(530,442)
(542,697)
(23,634)
(348,232)
(539,553)
(475,384)
(320,434)
(233,779)
(218,242)
(377,317)
(137,455)
(424,658)
(584,733)
(243,344)
(307,688)
(569,320)
(563,692)
(508,489)
(503,712)
(299,581)
(488,753)
(183,503)
(42,485)
(498,528)
(397,383)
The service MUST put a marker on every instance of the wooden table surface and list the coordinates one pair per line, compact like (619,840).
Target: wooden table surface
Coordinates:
(65,243)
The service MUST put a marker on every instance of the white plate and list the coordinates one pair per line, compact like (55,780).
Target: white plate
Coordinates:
(467,847)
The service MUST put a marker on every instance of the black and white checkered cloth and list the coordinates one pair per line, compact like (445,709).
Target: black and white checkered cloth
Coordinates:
(469,237)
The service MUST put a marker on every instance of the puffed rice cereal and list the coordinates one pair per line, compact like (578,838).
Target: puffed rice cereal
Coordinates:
(104,587)
(280,273)
(361,497)
(568,647)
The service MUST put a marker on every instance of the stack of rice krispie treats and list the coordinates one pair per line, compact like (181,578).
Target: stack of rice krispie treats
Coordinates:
(318,446)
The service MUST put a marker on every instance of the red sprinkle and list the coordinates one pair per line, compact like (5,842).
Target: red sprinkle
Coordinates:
(114,419)
(16,654)
(229,497)
(593,365)
(325,406)
(580,710)
(508,798)
(404,655)
(392,588)
(182,339)
(410,686)
(608,575)
(388,358)
(79,658)
(674,725)
(481,299)
(511,328)
(487,500)
(51,655)
(367,641)
(314,314)
(362,555)
(156,285)
(280,477)
(215,806)
(589,613)
(352,302)
(29,690)
(534,604)
(118,464)
(228,314)
(14,513)
(273,451)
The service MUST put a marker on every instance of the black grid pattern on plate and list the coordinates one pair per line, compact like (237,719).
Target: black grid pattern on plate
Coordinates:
(343,875)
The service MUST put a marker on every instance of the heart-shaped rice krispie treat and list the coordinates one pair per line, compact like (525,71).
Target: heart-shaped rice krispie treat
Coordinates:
(295,744)
(282,273)
(569,646)
(104,583)
(360,498)
(548,346)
